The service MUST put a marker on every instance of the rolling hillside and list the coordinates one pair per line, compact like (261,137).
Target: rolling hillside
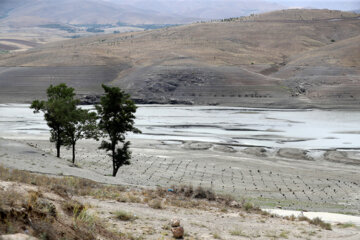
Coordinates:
(39,12)
(275,59)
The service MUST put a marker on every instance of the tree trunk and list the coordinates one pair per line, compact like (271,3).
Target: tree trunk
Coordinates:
(58,150)
(114,165)
(114,171)
(113,159)
(73,153)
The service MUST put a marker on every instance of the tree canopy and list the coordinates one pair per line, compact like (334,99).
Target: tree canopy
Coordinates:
(80,123)
(59,105)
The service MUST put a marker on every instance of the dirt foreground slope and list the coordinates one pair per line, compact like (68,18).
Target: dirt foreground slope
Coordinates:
(54,208)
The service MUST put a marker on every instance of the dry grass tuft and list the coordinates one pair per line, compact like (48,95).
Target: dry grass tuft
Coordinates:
(316,221)
(156,204)
(125,216)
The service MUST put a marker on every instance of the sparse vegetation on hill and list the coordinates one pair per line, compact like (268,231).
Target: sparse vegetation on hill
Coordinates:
(66,28)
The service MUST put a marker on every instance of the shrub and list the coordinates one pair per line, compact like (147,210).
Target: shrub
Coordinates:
(248,206)
(156,204)
(346,225)
(316,221)
(125,216)
(72,207)
(204,194)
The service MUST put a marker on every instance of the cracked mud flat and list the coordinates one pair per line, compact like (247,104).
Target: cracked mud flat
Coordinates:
(196,151)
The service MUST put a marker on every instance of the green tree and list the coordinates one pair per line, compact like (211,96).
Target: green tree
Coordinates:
(116,112)
(56,109)
(80,123)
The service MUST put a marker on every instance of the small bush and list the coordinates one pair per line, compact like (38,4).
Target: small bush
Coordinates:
(156,204)
(346,225)
(9,198)
(186,190)
(202,193)
(248,206)
(46,207)
(316,221)
(72,207)
(125,216)
(290,218)
(133,198)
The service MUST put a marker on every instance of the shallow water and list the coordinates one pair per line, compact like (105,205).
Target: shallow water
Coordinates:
(325,216)
(308,129)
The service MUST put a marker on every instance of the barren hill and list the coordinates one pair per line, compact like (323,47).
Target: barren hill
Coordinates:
(273,59)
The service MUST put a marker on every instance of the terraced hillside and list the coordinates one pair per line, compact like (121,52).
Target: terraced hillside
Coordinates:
(288,58)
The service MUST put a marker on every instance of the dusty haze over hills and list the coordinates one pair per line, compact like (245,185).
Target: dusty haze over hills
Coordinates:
(35,12)
(28,23)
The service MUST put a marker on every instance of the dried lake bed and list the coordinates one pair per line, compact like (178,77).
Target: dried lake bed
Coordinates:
(294,159)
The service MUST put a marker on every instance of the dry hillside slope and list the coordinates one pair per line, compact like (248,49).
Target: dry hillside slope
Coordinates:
(269,60)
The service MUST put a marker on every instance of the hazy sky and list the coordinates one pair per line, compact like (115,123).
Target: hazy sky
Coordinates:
(331,4)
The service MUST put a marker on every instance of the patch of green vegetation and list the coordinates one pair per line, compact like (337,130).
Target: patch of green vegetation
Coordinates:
(346,225)
(75,36)
(147,26)
(284,234)
(68,29)
(94,30)
(4,51)
(94,25)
